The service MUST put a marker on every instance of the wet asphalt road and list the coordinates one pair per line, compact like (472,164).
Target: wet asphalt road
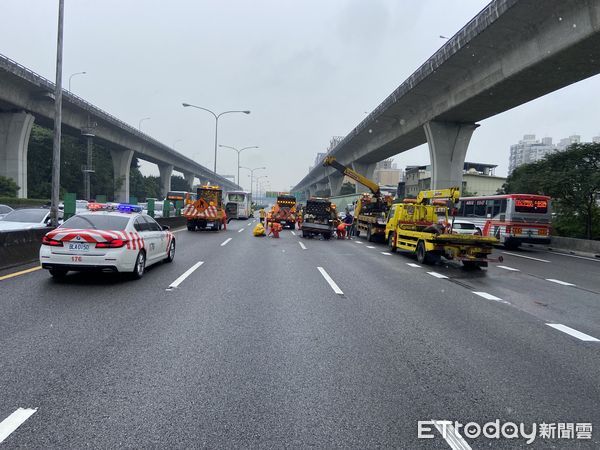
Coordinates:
(273,344)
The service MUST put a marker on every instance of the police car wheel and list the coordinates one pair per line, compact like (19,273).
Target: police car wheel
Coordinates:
(140,266)
(171,254)
(58,273)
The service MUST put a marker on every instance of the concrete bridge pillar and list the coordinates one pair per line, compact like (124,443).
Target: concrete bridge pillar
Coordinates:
(312,190)
(121,165)
(335,183)
(189,179)
(448,144)
(366,170)
(165,170)
(322,186)
(14,141)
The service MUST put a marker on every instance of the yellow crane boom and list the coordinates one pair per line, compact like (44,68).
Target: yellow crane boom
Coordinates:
(373,187)
(452,194)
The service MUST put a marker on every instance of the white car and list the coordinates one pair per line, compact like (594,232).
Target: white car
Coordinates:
(108,241)
(4,210)
(464,227)
(26,219)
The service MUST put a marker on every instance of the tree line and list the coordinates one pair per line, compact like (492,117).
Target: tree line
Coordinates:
(73,158)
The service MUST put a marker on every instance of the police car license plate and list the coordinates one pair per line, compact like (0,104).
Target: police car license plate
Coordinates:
(79,247)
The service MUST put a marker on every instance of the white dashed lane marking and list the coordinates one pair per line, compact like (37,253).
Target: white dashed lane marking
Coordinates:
(293,233)
(563,283)
(452,437)
(302,245)
(370,246)
(490,297)
(223,244)
(329,280)
(386,253)
(508,268)
(14,421)
(412,265)
(437,275)
(185,274)
(358,242)
(526,257)
(240,230)
(577,334)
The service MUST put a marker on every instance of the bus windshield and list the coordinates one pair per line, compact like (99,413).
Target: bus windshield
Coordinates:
(237,197)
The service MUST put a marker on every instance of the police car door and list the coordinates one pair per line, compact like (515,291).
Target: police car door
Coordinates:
(160,236)
(141,227)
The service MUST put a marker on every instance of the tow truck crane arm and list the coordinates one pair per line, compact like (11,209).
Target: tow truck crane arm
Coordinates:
(373,187)
(452,194)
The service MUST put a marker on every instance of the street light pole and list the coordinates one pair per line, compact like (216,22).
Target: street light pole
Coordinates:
(216,116)
(140,123)
(238,155)
(55,194)
(252,175)
(257,179)
(72,75)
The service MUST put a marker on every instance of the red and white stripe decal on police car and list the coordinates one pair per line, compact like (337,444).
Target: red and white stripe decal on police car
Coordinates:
(133,240)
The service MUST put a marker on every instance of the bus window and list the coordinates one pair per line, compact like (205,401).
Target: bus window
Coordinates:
(479,210)
(467,210)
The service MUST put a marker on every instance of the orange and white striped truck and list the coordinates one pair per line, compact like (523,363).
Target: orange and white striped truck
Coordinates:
(206,212)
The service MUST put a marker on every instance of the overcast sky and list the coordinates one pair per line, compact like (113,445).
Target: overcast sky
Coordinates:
(307,70)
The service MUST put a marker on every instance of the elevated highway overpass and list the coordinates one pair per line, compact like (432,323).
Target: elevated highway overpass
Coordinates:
(26,97)
(512,52)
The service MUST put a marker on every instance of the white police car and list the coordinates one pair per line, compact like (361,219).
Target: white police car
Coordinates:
(122,240)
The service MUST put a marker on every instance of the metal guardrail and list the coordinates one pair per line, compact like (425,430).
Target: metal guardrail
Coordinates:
(18,69)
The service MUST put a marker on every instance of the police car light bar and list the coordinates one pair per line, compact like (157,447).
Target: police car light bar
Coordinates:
(126,208)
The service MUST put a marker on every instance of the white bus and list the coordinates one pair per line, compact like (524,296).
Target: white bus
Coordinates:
(512,218)
(238,205)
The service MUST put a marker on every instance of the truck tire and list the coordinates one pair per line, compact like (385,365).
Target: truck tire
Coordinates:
(191,226)
(305,234)
(326,236)
(422,256)
(369,233)
(392,242)
(293,226)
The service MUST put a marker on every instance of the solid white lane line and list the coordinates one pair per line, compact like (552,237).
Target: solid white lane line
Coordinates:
(412,265)
(302,245)
(226,242)
(240,230)
(332,283)
(437,275)
(508,268)
(578,334)
(490,297)
(452,437)
(564,283)
(14,421)
(178,230)
(526,257)
(386,253)
(370,246)
(185,274)
(293,233)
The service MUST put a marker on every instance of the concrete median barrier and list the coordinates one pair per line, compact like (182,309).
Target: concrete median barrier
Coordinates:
(20,246)
(575,245)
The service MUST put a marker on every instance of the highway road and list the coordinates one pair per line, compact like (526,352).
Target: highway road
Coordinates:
(291,342)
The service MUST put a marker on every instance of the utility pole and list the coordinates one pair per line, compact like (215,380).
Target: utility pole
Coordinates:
(57,120)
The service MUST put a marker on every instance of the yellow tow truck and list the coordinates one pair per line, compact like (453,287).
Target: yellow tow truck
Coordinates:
(421,226)
(371,209)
